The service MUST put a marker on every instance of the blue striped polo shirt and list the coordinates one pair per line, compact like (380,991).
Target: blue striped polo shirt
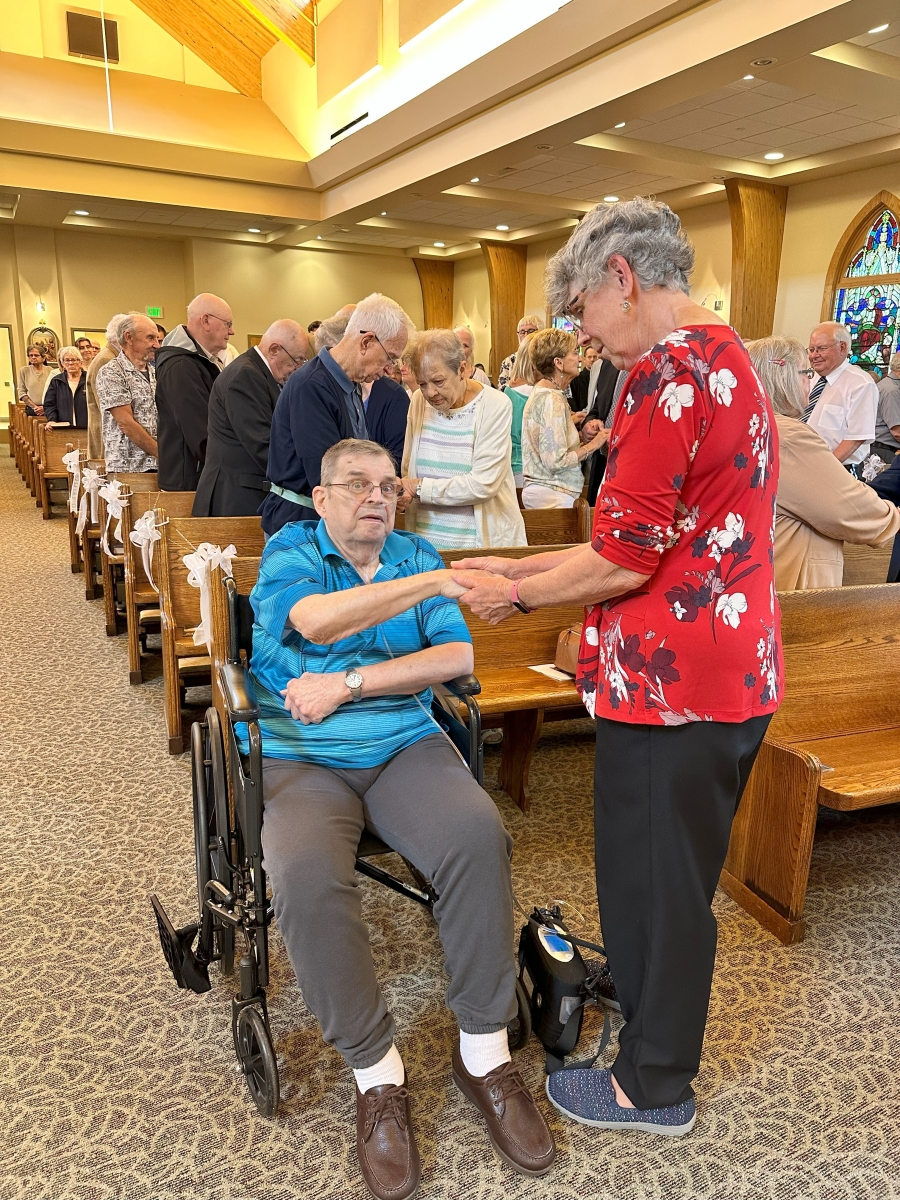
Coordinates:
(301,560)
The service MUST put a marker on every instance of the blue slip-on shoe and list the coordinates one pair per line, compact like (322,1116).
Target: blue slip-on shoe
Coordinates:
(587,1096)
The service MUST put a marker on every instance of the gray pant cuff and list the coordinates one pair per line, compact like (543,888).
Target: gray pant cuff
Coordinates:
(370,1057)
(466,1027)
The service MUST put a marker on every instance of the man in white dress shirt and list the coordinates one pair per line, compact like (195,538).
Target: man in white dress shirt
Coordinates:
(843,400)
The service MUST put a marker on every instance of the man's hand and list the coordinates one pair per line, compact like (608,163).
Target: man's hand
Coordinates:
(312,697)
(449,587)
(486,595)
(590,429)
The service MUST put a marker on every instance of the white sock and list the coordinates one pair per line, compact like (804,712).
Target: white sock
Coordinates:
(387,1070)
(481,1052)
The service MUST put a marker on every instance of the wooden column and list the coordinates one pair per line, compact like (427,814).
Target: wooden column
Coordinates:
(757,229)
(436,282)
(506,279)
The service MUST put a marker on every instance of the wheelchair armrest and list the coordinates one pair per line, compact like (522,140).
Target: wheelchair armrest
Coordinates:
(237,688)
(463,685)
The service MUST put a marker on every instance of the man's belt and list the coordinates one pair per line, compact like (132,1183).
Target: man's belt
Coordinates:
(294,497)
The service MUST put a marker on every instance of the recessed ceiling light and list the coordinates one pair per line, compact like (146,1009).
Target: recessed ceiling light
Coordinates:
(773,156)
(82,212)
(610,199)
(763,62)
(440,245)
(878,29)
(474,179)
(621,125)
(543,146)
(254,230)
(318,237)
(749,76)
(503,228)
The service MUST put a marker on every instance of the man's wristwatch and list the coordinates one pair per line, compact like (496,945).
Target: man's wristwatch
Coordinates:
(354,682)
(516,602)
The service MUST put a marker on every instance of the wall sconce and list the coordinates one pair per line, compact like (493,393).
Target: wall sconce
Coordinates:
(41,308)
(718,304)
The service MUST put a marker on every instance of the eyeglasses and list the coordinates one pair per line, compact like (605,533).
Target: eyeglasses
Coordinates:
(228,324)
(392,360)
(362,489)
(807,371)
(298,362)
(569,311)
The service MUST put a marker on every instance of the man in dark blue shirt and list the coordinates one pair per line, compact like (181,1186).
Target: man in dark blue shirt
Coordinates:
(321,404)
(887,485)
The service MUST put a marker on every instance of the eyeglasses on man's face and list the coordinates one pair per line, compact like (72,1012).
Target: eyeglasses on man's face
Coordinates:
(392,359)
(228,323)
(362,489)
(298,362)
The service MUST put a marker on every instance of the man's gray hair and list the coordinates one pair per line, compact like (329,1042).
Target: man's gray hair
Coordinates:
(123,323)
(839,332)
(331,459)
(331,331)
(646,233)
(380,315)
(895,363)
(112,329)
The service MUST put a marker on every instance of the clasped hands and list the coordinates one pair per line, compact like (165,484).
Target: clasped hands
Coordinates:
(484,585)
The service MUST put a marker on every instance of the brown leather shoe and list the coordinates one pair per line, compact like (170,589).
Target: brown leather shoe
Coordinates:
(514,1123)
(385,1144)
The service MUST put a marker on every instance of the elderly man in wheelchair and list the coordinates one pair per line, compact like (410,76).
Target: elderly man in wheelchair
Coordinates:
(354,624)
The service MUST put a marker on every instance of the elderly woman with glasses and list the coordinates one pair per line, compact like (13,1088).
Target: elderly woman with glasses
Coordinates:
(820,505)
(65,401)
(680,657)
(457,459)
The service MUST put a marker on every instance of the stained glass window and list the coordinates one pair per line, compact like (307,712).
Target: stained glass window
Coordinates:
(868,298)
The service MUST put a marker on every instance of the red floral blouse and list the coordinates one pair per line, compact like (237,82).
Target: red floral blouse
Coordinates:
(688,499)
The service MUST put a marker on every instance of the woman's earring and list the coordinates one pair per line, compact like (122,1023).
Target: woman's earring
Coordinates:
(626,304)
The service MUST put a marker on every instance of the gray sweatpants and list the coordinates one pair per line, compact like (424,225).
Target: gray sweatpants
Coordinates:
(426,805)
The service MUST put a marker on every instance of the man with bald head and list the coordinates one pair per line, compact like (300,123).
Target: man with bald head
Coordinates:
(233,482)
(467,337)
(187,365)
(843,399)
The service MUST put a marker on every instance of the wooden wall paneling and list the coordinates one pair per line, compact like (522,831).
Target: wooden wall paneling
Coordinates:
(506,280)
(292,23)
(853,238)
(757,213)
(436,281)
(222,33)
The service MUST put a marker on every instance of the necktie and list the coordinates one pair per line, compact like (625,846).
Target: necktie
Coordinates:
(813,397)
(617,396)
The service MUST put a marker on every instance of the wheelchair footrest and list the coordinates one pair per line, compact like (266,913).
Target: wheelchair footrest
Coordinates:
(189,971)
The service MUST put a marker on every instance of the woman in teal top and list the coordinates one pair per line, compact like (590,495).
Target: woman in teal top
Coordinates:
(520,387)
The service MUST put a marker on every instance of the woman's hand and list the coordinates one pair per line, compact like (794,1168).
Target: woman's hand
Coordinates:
(488,596)
(312,697)
(598,440)
(507,567)
(590,429)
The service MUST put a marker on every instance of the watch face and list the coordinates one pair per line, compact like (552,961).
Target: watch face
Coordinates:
(353,679)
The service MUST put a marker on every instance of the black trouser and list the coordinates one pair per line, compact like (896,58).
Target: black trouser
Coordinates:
(664,801)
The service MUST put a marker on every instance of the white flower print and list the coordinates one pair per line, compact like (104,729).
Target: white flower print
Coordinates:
(729,608)
(591,636)
(675,397)
(721,383)
(679,611)
(589,700)
(678,338)
(761,649)
(629,402)
(754,424)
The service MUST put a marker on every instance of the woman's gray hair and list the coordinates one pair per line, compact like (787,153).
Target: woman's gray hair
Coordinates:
(436,345)
(778,362)
(382,316)
(646,233)
(330,332)
(68,350)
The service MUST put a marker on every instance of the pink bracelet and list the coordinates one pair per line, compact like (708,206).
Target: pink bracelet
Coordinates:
(516,602)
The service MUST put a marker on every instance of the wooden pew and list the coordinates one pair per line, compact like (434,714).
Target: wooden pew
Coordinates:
(112,565)
(52,445)
(835,741)
(866,564)
(556,526)
(180,603)
(141,600)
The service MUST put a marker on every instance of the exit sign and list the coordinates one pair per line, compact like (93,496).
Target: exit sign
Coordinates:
(155,311)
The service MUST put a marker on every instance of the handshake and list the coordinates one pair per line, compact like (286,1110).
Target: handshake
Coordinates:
(484,584)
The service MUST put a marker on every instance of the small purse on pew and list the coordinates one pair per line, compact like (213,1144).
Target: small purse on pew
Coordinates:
(567,650)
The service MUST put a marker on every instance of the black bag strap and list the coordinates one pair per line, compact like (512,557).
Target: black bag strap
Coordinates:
(555,1060)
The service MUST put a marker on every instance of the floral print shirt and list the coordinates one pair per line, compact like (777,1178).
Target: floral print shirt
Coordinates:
(120,382)
(688,499)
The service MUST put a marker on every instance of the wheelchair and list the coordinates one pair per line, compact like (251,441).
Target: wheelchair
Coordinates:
(234,905)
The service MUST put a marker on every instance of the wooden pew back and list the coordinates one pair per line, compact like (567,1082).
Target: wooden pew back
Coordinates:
(54,443)
(841,662)
(866,564)
(557,526)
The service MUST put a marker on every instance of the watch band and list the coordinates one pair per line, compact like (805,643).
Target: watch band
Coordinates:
(516,602)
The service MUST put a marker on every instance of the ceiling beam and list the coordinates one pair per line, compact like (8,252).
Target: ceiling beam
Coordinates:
(488,197)
(673,160)
(224,34)
(294,25)
(864,58)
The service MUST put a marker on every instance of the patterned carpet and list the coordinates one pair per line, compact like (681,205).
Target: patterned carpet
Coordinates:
(116,1086)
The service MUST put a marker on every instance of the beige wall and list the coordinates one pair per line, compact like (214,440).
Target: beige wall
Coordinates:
(709,229)
(85,277)
(538,253)
(472,304)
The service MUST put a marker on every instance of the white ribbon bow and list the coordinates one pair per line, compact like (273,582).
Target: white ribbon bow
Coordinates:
(144,535)
(92,481)
(872,468)
(112,494)
(199,565)
(72,461)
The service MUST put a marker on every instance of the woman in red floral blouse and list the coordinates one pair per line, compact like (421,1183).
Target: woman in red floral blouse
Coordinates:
(680,658)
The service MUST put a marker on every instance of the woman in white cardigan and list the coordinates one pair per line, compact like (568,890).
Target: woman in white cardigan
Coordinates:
(457,458)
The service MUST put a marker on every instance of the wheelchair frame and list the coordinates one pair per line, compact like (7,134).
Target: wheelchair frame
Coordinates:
(231,880)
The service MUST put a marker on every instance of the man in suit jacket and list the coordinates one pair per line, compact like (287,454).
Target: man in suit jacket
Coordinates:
(243,398)
(601,386)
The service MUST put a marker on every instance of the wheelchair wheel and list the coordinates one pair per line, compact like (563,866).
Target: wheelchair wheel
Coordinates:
(518,1031)
(257,1058)
(211,822)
